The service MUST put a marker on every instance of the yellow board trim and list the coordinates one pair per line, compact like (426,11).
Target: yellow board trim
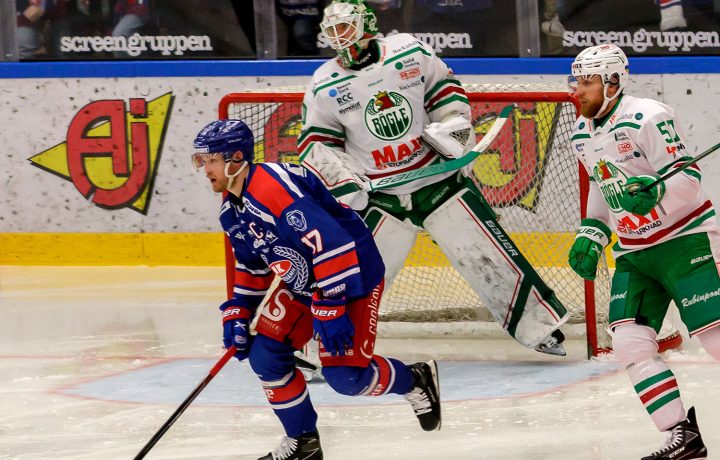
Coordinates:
(206,249)
(196,249)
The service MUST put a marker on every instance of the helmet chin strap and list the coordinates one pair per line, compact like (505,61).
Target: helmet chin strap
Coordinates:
(231,177)
(607,100)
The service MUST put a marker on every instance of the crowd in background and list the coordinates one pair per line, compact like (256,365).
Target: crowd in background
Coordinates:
(49,29)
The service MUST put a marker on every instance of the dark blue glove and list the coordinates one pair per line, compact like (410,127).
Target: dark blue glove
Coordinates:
(236,327)
(332,323)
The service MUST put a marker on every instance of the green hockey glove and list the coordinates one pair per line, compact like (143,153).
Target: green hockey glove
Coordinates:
(641,203)
(590,240)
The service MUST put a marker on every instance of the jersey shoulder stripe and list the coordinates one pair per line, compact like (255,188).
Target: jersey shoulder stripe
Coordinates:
(267,191)
(399,46)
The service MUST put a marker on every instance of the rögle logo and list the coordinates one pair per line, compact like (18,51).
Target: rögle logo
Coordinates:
(388,115)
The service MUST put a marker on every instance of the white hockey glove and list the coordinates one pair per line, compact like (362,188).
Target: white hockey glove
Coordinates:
(453,137)
(340,173)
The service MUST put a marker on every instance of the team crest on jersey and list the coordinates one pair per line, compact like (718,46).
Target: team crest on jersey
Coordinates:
(296,219)
(611,180)
(293,269)
(388,115)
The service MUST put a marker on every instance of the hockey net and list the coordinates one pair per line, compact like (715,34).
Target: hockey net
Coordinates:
(530,177)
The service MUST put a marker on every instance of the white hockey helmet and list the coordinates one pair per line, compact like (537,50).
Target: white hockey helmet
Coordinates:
(348,26)
(607,61)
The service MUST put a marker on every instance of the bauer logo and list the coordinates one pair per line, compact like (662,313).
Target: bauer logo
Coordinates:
(388,115)
(112,151)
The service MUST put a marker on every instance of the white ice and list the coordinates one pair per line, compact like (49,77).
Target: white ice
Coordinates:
(94,359)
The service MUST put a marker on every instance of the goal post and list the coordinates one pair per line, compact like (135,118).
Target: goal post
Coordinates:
(530,177)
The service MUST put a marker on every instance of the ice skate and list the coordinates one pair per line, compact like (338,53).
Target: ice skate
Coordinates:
(304,447)
(684,442)
(553,344)
(425,395)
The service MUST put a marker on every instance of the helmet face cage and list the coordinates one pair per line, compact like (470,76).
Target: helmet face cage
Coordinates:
(348,25)
(342,25)
(223,137)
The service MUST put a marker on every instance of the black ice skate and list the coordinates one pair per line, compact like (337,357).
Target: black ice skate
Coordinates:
(684,442)
(304,447)
(552,345)
(425,395)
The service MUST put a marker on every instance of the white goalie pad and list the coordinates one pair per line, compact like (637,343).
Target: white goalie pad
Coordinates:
(489,263)
(340,173)
(452,137)
(394,238)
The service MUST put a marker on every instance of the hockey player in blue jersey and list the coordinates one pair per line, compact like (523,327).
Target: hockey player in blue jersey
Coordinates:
(282,221)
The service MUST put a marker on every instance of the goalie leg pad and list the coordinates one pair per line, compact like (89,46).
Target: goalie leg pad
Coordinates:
(468,233)
(393,237)
(636,349)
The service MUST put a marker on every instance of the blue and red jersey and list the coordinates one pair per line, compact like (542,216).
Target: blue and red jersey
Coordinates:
(286,223)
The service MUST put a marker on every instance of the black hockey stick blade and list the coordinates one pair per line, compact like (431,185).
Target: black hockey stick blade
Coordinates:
(680,169)
(166,426)
(305,364)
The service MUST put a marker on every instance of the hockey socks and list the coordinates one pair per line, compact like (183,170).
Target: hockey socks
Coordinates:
(290,400)
(658,390)
(389,376)
(380,377)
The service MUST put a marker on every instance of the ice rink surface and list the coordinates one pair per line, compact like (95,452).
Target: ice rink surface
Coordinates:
(94,359)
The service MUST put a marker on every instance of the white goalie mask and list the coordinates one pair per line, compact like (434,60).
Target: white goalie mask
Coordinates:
(608,62)
(348,25)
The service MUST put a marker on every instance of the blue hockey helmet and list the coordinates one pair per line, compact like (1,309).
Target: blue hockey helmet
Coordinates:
(224,137)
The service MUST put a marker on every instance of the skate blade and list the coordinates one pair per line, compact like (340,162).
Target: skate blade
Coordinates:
(436,381)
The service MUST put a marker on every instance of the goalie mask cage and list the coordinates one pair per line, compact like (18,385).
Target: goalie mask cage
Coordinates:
(530,177)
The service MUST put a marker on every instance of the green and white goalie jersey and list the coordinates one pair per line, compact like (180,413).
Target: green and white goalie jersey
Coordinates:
(377,115)
(641,137)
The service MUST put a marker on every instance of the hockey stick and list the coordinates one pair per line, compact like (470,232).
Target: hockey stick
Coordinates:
(452,165)
(166,426)
(680,169)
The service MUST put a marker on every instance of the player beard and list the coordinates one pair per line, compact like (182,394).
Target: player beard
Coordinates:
(589,109)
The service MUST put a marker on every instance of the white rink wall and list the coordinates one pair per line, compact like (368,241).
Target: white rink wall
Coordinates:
(36,114)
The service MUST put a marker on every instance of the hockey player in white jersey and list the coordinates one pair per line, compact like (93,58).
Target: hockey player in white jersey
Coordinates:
(668,244)
(388,105)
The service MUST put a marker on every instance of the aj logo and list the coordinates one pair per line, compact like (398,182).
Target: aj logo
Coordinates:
(110,153)
(510,172)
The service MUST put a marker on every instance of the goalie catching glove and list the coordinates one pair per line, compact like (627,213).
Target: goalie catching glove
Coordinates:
(332,323)
(453,137)
(641,203)
(590,241)
(236,327)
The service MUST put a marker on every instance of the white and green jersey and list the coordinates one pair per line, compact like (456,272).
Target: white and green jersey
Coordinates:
(377,114)
(641,137)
